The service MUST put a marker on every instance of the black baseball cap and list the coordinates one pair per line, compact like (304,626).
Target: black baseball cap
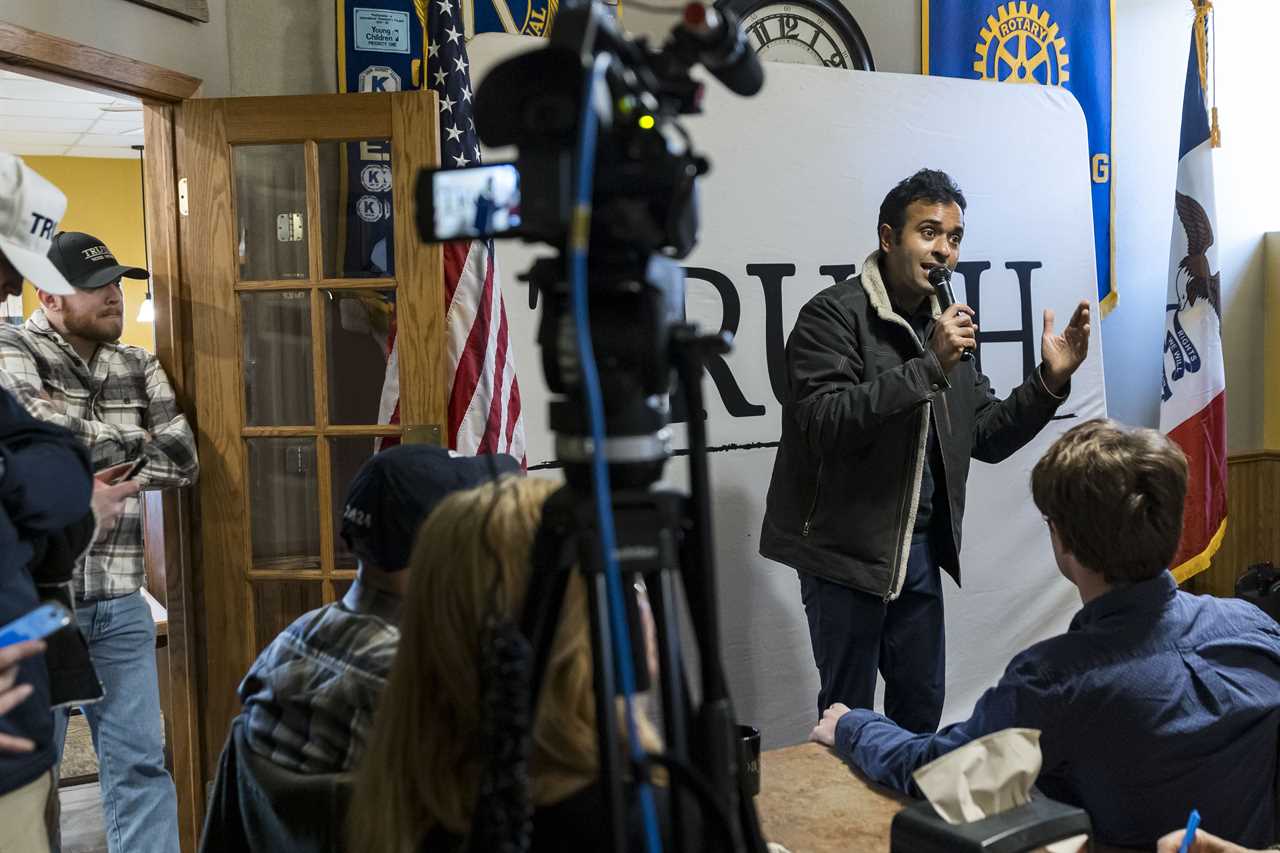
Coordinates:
(86,261)
(394,492)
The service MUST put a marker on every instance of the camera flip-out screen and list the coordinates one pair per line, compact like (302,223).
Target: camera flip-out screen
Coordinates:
(477,201)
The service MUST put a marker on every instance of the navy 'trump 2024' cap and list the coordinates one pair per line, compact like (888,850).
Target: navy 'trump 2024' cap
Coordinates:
(394,492)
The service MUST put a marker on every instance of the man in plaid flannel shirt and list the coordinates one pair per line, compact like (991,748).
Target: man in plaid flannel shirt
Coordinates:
(67,367)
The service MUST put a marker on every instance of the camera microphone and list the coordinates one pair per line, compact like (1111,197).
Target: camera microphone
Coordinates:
(940,278)
(722,47)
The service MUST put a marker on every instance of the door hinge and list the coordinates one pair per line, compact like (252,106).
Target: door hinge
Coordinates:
(182,196)
(289,227)
(423,434)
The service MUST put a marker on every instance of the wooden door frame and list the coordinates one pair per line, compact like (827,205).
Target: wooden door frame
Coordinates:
(66,61)
(160,90)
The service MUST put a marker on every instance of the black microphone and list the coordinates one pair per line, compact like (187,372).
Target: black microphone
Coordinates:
(940,278)
(722,47)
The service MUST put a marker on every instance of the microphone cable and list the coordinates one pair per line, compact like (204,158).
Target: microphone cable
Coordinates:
(578,244)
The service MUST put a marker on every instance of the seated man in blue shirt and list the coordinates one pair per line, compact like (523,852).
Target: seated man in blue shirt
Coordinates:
(1154,701)
(310,697)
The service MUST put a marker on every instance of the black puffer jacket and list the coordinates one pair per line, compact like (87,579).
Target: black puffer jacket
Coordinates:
(861,392)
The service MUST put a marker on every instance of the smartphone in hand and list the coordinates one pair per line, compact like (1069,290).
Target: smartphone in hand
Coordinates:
(36,624)
(134,469)
(123,472)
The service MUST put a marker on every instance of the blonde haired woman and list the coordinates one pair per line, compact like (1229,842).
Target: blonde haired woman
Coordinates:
(418,782)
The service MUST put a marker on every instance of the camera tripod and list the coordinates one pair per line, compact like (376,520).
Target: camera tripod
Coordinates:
(664,538)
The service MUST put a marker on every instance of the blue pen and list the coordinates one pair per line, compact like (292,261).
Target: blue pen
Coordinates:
(1190,835)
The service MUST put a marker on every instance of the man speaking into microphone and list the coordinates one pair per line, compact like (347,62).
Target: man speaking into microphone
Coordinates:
(881,416)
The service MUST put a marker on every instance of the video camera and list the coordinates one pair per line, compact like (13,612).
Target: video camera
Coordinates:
(645,170)
(644,210)
(594,109)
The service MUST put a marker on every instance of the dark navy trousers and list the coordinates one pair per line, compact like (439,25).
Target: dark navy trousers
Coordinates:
(855,635)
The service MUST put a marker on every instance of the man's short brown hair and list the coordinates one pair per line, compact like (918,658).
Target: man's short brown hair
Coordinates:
(1115,497)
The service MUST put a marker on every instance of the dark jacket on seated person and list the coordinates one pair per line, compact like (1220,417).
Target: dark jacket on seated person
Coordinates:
(1154,702)
(259,805)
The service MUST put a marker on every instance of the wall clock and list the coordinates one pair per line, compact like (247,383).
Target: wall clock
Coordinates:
(806,32)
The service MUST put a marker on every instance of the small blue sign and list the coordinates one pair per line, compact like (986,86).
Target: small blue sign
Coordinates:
(381,30)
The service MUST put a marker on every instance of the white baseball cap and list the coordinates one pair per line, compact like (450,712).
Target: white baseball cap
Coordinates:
(30,208)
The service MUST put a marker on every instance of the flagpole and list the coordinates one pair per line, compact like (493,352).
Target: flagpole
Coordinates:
(1207,48)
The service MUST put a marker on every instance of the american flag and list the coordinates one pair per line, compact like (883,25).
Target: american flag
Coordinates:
(484,396)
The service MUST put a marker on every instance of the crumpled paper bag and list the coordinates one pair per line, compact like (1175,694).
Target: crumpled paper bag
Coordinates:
(985,777)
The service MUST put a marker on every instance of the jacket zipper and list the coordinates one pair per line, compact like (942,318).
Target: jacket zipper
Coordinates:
(897,551)
(942,454)
(813,507)
(904,511)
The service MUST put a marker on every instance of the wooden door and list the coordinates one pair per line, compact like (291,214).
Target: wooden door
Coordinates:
(289,348)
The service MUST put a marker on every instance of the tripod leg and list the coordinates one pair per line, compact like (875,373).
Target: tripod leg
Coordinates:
(676,709)
(606,712)
(716,718)
(547,582)
(541,624)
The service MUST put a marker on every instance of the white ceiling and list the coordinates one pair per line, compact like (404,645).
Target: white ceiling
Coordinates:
(40,117)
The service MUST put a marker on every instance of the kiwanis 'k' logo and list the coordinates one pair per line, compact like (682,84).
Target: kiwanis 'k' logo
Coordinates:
(1021,45)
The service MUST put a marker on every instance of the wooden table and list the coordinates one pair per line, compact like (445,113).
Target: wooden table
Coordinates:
(813,802)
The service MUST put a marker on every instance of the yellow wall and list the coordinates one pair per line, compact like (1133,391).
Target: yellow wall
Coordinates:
(104,198)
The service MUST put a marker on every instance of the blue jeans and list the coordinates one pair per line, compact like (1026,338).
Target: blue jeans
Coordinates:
(139,804)
(855,635)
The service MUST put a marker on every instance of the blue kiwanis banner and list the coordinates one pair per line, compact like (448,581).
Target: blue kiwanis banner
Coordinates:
(519,17)
(379,50)
(1063,43)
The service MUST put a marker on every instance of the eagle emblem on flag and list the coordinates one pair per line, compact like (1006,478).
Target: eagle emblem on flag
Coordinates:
(1201,282)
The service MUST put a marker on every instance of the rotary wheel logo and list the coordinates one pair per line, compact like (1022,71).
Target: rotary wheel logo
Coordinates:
(1021,45)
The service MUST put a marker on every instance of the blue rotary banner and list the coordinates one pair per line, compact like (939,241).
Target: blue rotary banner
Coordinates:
(1063,43)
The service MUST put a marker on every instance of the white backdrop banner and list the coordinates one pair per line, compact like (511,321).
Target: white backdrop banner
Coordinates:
(790,206)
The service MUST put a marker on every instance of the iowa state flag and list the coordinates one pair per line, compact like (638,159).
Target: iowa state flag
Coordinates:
(1063,43)
(1194,394)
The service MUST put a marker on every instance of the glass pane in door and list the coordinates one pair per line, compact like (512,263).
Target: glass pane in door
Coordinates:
(357,346)
(355,209)
(346,455)
(276,357)
(284,503)
(271,211)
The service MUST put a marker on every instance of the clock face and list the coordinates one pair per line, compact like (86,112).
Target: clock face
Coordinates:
(785,32)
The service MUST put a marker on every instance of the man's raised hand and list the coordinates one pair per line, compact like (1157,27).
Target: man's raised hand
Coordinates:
(1060,355)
